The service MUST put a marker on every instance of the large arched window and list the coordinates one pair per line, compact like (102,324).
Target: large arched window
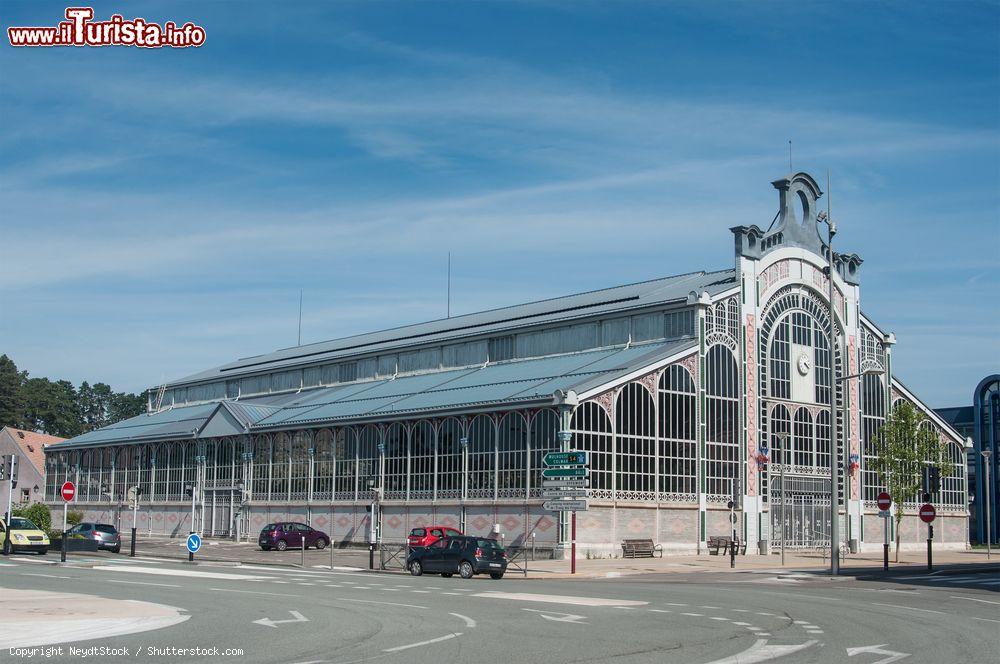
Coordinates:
(722,417)
(261,467)
(368,466)
(422,460)
(872,418)
(395,461)
(953,484)
(123,459)
(543,439)
(225,462)
(449,472)
(512,447)
(635,416)
(803,442)
(323,480)
(299,465)
(482,457)
(345,450)
(591,429)
(678,442)
(281,450)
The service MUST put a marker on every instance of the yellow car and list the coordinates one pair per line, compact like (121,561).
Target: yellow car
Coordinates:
(24,536)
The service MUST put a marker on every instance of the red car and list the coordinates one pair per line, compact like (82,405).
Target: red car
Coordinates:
(430,534)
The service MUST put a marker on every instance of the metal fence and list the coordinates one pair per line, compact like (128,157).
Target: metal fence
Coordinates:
(393,556)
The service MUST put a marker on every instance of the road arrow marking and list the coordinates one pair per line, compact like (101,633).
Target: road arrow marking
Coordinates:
(761,652)
(877,650)
(560,617)
(296,617)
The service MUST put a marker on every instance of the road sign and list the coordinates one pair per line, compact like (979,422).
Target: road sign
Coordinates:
(193,543)
(68,491)
(927,513)
(564,493)
(565,472)
(571,483)
(884,501)
(565,459)
(565,505)
(883,514)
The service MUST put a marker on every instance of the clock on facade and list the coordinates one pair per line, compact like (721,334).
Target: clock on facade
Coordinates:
(804,364)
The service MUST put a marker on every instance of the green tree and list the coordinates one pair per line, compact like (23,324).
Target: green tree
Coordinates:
(903,448)
(125,405)
(37,513)
(51,407)
(11,393)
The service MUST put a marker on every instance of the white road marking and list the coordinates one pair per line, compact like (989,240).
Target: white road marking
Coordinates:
(180,572)
(676,604)
(698,615)
(908,608)
(661,610)
(420,591)
(370,601)
(877,650)
(708,607)
(144,583)
(249,592)
(456,594)
(48,576)
(985,619)
(974,599)
(741,624)
(424,643)
(560,599)
(761,652)
(560,617)
(469,622)
(718,618)
(267,622)
(763,613)
(741,610)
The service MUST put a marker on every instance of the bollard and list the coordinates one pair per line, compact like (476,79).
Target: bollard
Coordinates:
(131,552)
(303,563)
(885,557)
(331,553)
(371,555)
(930,538)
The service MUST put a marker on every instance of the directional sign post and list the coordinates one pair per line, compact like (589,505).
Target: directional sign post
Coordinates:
(564,472)
(68,492)
(884,501)
(927,514)
(572,483)
(565,493)
(565,505)
(193,544)
(565,459)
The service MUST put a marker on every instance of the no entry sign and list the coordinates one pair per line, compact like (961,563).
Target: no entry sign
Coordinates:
(884,501)
(927,513)
(68,491)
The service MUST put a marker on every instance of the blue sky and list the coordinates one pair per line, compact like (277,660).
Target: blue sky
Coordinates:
(161,209)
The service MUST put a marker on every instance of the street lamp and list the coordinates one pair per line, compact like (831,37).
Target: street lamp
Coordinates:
(831,227)
(986,476)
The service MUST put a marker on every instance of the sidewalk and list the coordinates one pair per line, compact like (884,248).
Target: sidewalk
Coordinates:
(853,565)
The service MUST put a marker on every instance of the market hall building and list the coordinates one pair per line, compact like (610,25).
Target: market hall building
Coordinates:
(682,390)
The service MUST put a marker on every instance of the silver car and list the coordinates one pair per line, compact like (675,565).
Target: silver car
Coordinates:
(106,535)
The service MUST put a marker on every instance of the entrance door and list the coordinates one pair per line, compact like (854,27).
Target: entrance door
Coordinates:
(219,512)
(803,520)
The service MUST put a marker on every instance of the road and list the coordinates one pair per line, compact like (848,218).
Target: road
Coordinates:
(314,615)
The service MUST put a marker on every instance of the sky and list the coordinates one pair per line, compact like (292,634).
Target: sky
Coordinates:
(161,209)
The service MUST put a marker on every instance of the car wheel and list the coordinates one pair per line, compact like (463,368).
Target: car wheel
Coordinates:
(465,570)
(264,548)
(496,575)
(117,549)
(282,545)
(416,569)
(447,575)
(42,552)
(320,543)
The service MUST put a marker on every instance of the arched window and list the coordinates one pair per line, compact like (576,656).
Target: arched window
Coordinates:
(781,435)
(224,462)
(872,419)
(543,438)
(823,439)
(210,463)
(482,457)
(512,449)
(261,470)
(722,417)
(678,442)
(280,454)
(591,429)
(395,461)
(368,467)
(449,473)
(802,439)
(123,458)
(323,481)
(299,465)
(953,484)
(422,460)
(636,430)
(345,451)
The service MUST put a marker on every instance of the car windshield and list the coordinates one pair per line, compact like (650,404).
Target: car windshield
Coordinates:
(272,526)
(488,544)
(105,528)
(18,523)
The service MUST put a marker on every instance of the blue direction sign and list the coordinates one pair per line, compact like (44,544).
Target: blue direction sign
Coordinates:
(193,543)
(564,472)
(565,459)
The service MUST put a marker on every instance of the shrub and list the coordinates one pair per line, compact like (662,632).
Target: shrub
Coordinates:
(73,517)
(37,513)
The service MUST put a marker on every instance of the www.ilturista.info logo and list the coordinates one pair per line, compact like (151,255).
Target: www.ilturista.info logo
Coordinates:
(81,30)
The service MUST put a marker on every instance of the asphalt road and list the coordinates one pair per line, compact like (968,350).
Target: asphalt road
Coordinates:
(285,615)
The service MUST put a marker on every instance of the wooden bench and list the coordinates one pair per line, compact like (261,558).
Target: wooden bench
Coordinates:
(724,542)
(640,548)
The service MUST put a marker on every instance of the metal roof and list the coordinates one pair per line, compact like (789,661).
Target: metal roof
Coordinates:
(609,300)
(514,383)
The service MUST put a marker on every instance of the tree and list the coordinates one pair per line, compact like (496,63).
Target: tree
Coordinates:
(125,405)
(37,513)
(51,407)
(11,393)
(903,448)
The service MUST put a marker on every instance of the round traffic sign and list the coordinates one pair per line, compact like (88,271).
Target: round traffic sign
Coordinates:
(884,501)
(193,543)
(68,491)
(927,513)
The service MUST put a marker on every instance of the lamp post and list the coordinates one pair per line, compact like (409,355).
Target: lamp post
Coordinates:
(986,476)
(834,493)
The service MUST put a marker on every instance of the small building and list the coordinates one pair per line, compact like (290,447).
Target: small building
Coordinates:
(686,392)
(980,422)
(30,449)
